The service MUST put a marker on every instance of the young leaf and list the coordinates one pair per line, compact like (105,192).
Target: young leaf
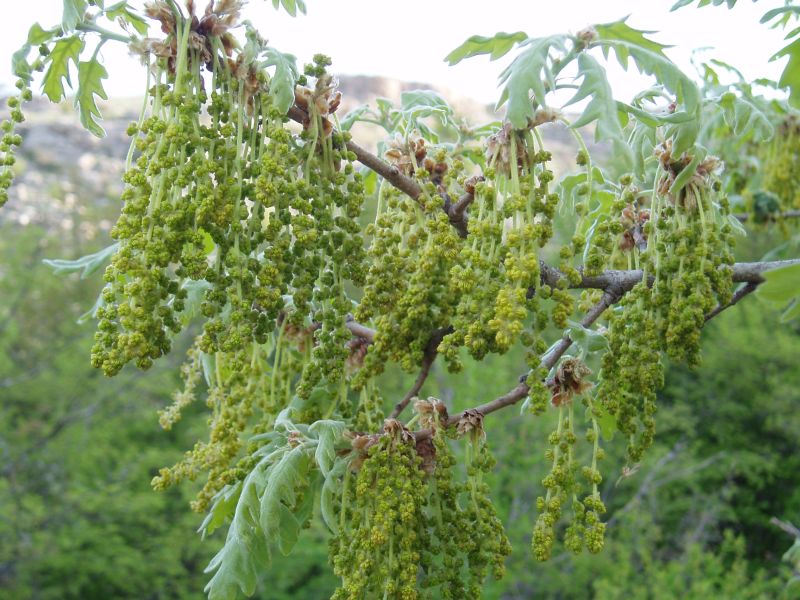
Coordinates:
(587,339)
(649,58)
(284,479)
(529,72)
(222,508)
(601,108)
(290,6)
(281,86)
(331,493)
(92,312)
(328,434)
(782,287)
(687,172)
(292,522)
(195,294)
(790,78)
(74,11)
(90,84)
(121,10)
(784,12)
(743,117)
(87,264)
(245,550)
(36,36)
(352,117)
(64,51)
(496,46)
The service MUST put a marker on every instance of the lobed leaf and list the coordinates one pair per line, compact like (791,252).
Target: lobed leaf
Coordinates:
(282,83)
(290,6)
(648,56)
(64,50)
(328,434)
(529,72)
(87,264)
(331,492)
(496,46)
(222,508)
(622,32)
(74,12)
(90,84)
(601,108)
(790,78)
(782,287)
(37,35)
(743,117)
(121,10)
(702,3)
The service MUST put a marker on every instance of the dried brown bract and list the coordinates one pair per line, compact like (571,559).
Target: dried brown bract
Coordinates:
(569,381)
(406,153)
(470,422)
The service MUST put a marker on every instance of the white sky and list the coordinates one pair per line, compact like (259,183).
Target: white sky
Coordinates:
(408,39)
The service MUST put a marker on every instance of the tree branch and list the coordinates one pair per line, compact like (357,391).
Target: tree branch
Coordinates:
(427,362)
(747,272)
(610,296)
(617,284)
(769,218)
(391,173)
(743,291)
(359,330)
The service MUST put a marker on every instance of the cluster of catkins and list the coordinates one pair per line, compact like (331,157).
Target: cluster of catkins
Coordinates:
(222,192)
(11,140)
(567,483)
(408,528)
(229,214)
(683,243)
(780,176)
(414,246)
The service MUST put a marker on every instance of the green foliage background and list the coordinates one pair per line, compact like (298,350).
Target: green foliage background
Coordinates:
(78,519)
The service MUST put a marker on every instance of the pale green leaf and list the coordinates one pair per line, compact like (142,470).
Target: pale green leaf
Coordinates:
(64,51)
(784,12)
(222,508)
(686,173)
(98,304)
(781,285)
(352,117)
(601,108)
(496,46)
(90,84)
(245,551)
(648,56)
(328,433)
(605,421)
(587,339)
(331,493)
(743,117)
(207,361)
(37,35)
(282,83)
(74,11)
(121,10)
(790,78)
(86,264)
(621,31)
(283,480)
(529,72)
(195,294)
(290,6)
